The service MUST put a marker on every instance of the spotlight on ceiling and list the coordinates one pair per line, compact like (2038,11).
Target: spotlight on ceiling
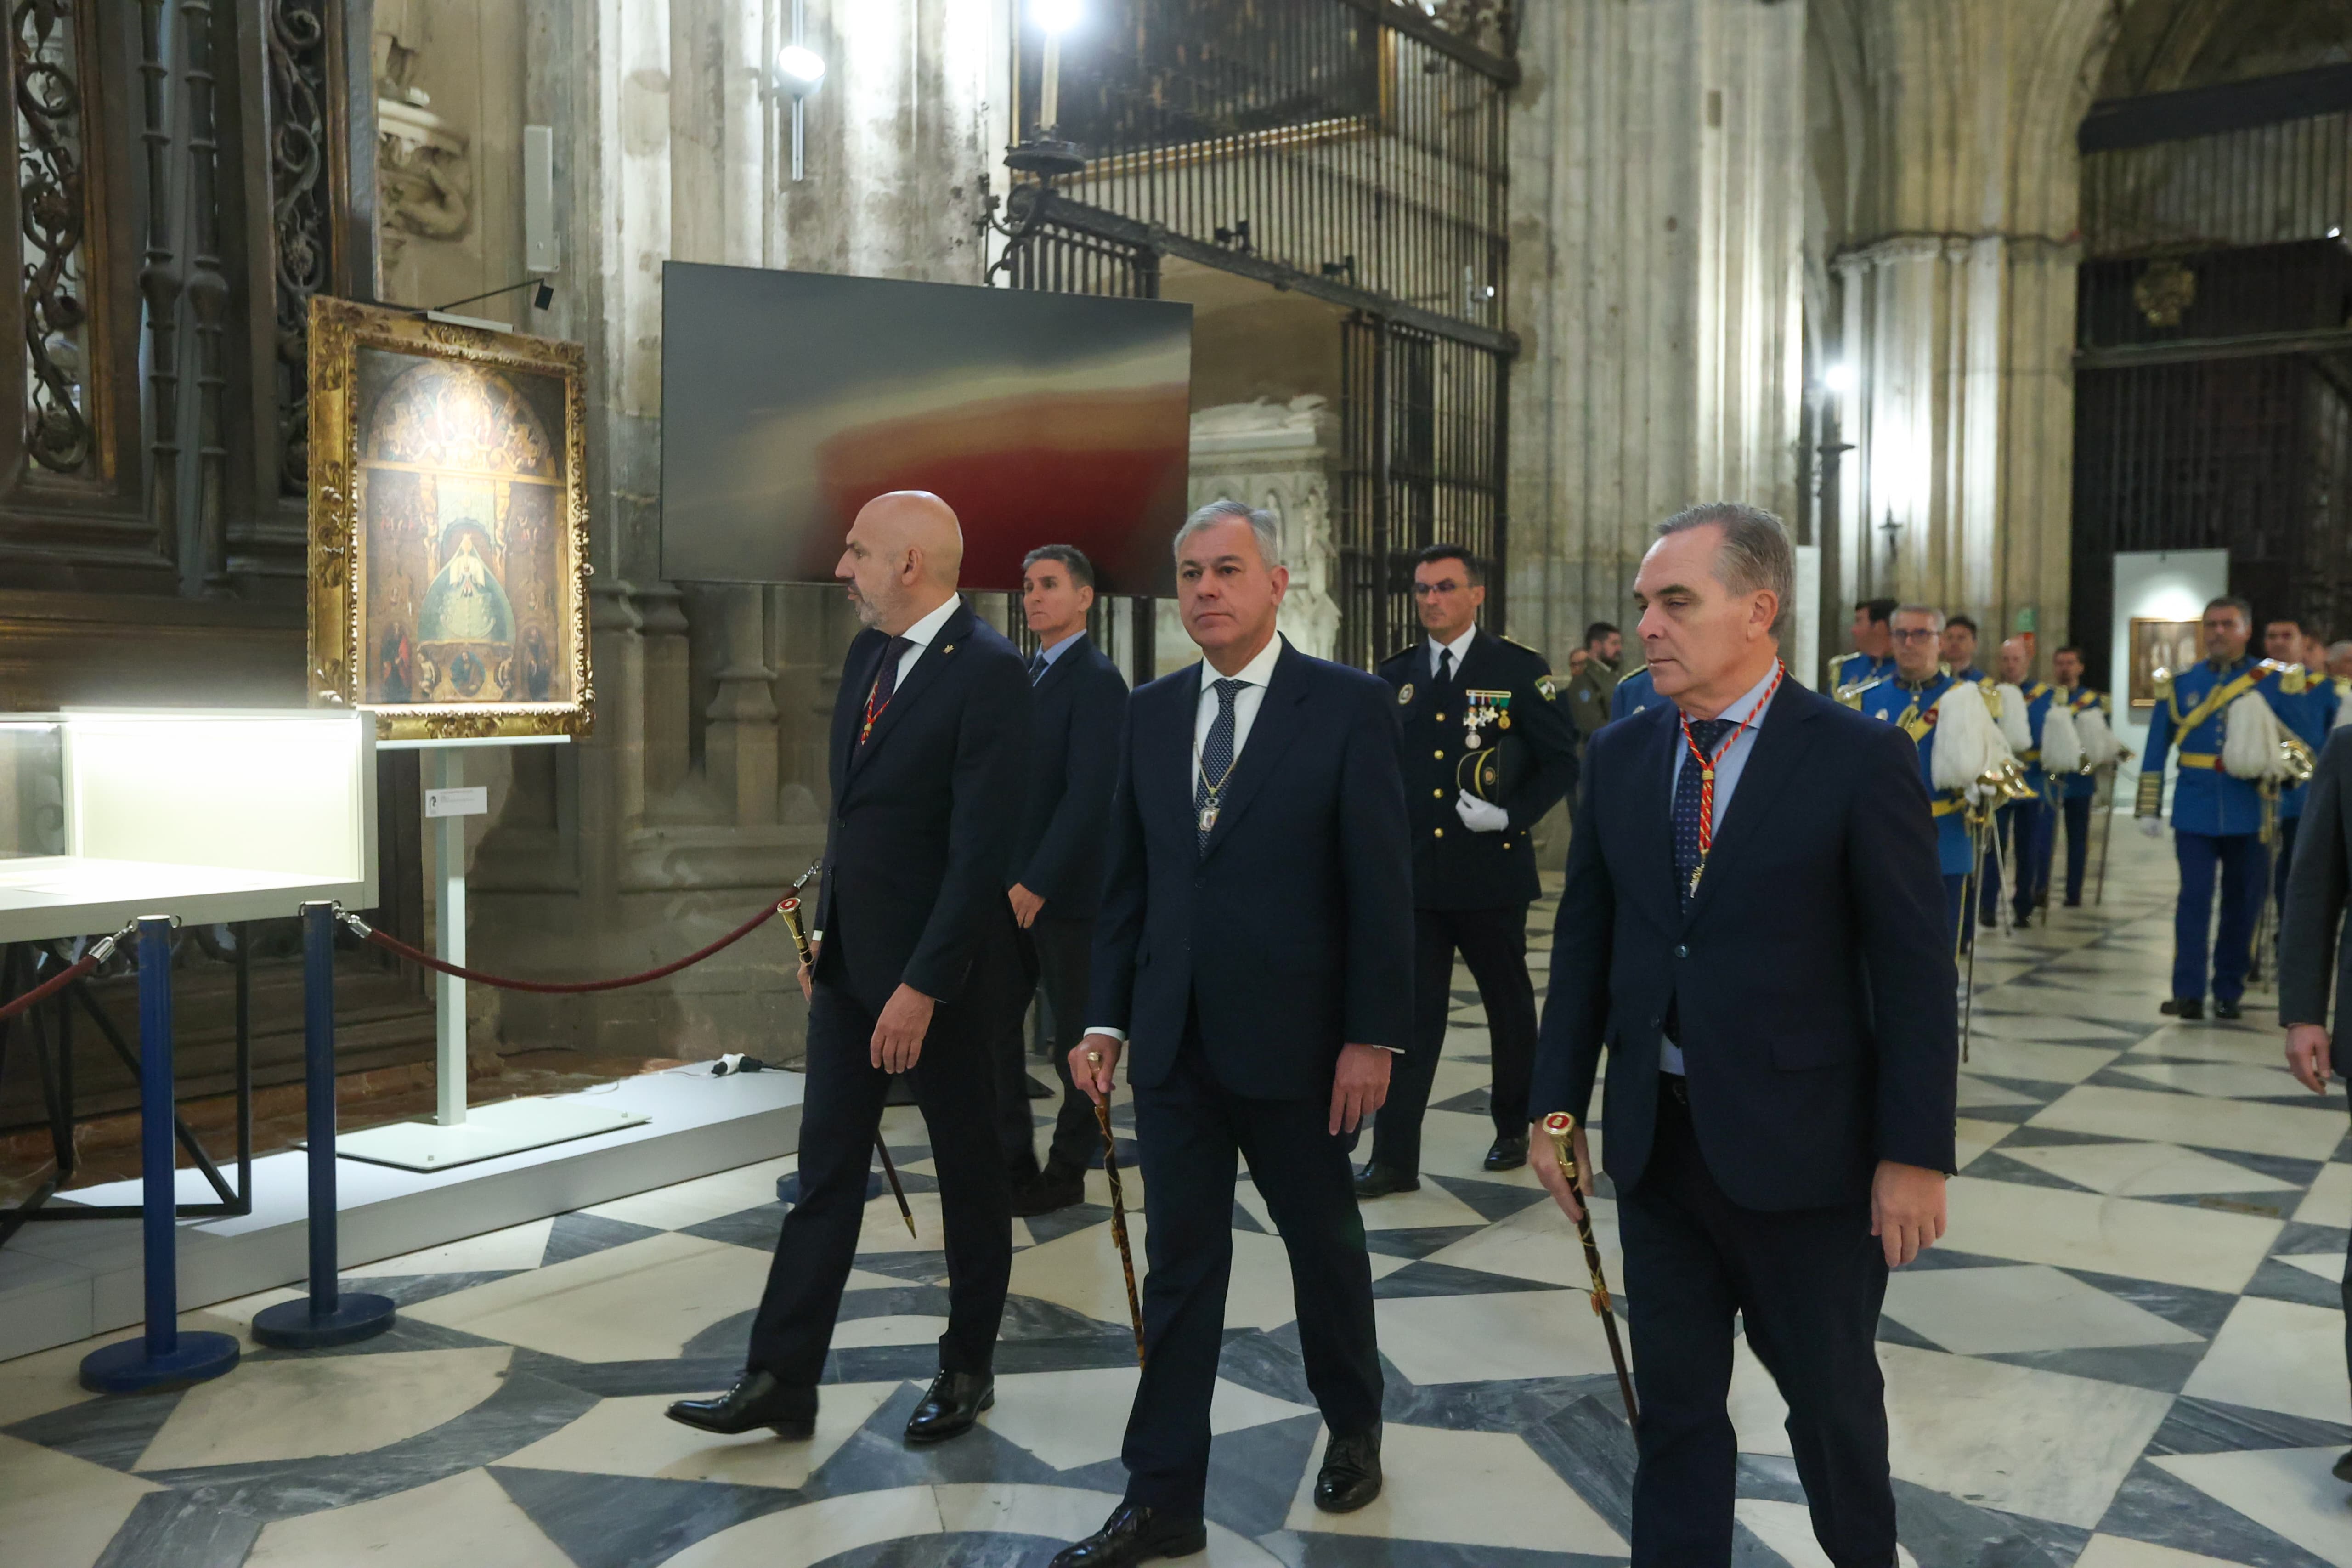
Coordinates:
(801,66)
(1839,378)
(1056,17)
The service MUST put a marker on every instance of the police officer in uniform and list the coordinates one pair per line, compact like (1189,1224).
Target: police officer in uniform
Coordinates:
(2076,790)
(1908,700)
(1873,659)
(1487,751)
(2217,820)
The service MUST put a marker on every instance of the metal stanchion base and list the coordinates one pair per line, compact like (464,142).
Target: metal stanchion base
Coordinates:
(298,1326)
(127,1368)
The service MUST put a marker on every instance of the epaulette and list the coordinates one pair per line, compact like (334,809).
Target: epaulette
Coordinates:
(1405,652)
(2292,680)
(1991,690)
(1852,695)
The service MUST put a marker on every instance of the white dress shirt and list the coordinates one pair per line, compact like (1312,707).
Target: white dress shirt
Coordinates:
(1459,647)
(1729,764)
(922,634)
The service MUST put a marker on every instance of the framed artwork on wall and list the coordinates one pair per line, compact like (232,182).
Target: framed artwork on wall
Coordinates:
(448,526)
(2159,649)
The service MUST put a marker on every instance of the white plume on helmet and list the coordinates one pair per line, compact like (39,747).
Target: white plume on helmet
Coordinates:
(2015,726)
(1969,743)
(2251,735)
(2061,746)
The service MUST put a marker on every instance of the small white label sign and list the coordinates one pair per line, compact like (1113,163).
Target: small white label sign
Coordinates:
(472,801)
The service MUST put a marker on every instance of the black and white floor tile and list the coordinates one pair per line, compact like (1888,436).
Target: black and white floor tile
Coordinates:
(2130,1354)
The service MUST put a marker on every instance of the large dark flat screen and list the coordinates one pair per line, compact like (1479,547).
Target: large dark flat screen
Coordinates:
(790,399)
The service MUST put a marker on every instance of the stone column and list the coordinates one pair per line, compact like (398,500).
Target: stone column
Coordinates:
(1657,181)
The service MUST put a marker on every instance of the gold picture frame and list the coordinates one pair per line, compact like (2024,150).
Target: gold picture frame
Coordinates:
(449,547)
(2159,649)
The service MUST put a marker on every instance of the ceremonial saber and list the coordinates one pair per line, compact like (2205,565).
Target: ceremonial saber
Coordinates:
(791,910)
(2106,835)
(1119,1213)
(1560,1125)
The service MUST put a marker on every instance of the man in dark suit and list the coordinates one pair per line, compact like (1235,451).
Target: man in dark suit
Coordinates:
(2313,957)
(1488,749)
(1081,700)
(1753,929)
(917,967)
(1254,954)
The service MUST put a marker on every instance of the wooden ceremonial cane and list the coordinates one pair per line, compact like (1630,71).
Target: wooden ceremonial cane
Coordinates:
(1561,1126)
(791,910)
(1119,1213)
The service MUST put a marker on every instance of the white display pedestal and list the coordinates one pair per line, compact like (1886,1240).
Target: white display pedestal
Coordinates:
(456,1136)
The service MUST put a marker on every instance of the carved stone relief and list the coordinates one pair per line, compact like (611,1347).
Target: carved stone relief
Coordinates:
(1278,457)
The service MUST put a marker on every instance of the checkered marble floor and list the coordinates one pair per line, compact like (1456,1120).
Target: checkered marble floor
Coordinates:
(2129,1354)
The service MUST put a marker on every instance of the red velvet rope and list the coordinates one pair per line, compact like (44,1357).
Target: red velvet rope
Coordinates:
(50,987)
(394,944)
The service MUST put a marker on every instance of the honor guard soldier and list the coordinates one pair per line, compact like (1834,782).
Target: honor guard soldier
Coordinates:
(2309,717)
(1907,700)
(2077,789)
(1958,642)
(2216,819)
(1873,659)
(2025,825)
(1487,751)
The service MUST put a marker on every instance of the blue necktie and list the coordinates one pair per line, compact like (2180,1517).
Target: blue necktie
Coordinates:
(1037,666)
(1707,732)
(1216,762)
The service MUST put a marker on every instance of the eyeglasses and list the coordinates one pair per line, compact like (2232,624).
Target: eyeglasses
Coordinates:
(1914,634)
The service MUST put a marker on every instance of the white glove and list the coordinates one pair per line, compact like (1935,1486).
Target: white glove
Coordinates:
(1480,815)
(2152,826)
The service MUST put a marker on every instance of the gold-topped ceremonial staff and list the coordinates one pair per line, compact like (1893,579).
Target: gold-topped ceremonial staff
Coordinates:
(1119,1213)
(1561,1126)
(791,910)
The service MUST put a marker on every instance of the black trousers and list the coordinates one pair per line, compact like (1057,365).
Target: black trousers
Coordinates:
(2019,826)
(955,1086)
(1191,1127)
(1808,1285)
(2077,809)
(1494,943)
(1065,951)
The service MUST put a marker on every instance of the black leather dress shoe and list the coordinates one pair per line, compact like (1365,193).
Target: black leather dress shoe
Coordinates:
(2227,1009)
(1038,1090)
(1507,1154)
(2189,1007)
(1378,1181)
(1058,1187)
(954,1403)
(1350,1475)
(757,1400)
(1134,1533)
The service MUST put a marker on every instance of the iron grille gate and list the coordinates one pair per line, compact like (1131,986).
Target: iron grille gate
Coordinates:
(1422,432)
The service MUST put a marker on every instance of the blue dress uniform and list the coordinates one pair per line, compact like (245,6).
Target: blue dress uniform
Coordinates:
(2025,824)
(1913,709)
(2216,819)
(1633,694)
(2309,718)
(1853,671)
(2076,791)
(1470,890)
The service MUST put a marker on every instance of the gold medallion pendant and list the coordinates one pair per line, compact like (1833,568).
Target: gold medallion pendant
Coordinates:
(1209,817)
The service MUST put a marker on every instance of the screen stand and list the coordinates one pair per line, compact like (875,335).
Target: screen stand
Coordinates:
(456,1136)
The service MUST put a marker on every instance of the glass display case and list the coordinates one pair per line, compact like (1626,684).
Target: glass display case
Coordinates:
(211,816)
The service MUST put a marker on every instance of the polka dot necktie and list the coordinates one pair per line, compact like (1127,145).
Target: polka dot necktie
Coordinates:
(1216,762)
(1709,733)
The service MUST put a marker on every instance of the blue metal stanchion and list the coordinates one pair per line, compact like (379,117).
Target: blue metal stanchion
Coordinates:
(330,1316)
(163,1357)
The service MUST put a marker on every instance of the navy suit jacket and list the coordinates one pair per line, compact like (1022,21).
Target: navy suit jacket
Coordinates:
(1079,704)
(1813,976)
(1292,933)
(925,814)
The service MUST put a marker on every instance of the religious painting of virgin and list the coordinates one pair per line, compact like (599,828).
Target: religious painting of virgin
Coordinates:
(2159,650)
(449,540)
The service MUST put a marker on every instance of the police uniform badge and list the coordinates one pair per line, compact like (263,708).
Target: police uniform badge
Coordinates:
(1547,692)
(1404,695)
